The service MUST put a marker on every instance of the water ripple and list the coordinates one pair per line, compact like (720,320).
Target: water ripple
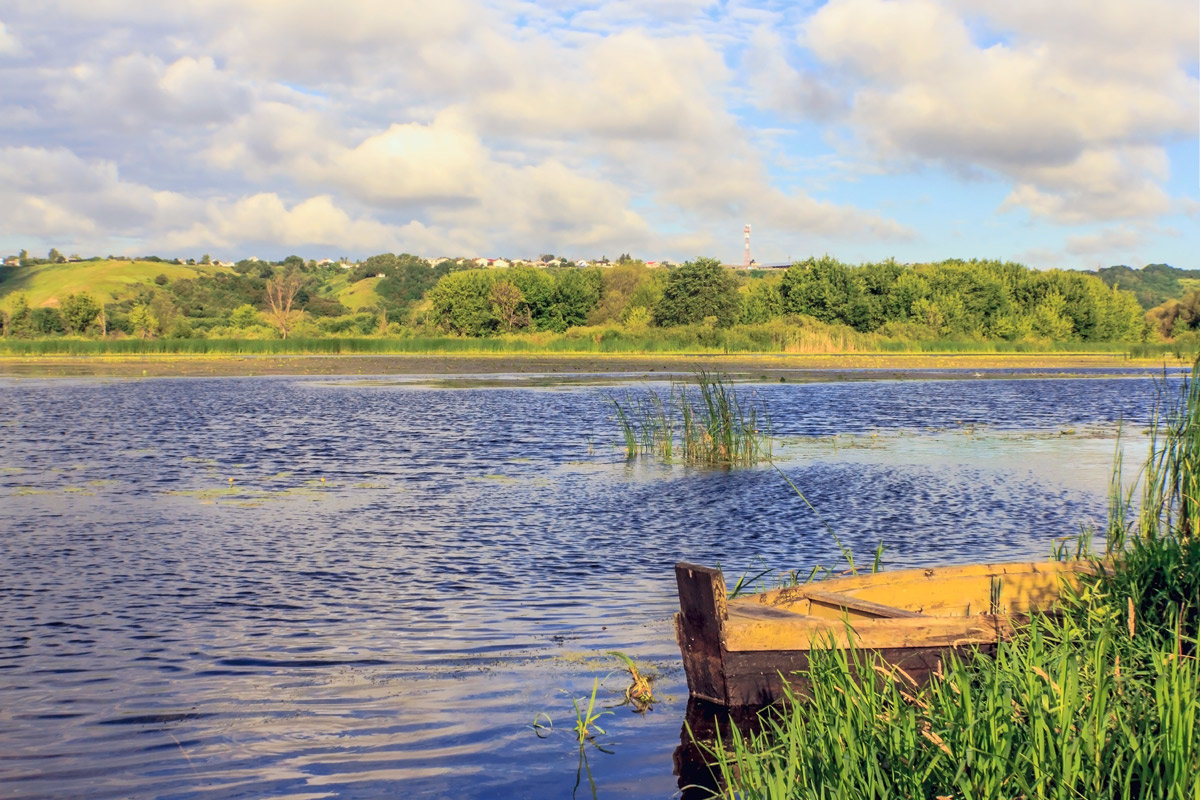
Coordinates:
(278,587)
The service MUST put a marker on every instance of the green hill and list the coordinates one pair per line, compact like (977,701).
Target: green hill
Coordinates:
(355,296)
(1153,284)
(105,280)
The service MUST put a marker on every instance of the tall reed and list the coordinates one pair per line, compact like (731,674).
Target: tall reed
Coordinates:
(716,425)
(1099,700)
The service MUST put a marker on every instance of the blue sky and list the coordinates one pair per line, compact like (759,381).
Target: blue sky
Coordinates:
(1055,134)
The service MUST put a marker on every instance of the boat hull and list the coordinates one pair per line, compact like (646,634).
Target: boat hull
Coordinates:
(745,651)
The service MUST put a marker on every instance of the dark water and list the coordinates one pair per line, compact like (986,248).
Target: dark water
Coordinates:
(400,579)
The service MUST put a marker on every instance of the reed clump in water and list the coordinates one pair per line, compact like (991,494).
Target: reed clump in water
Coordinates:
(1099,700)
(706,422)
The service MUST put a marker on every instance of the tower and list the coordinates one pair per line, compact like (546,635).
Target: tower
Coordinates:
(746,230)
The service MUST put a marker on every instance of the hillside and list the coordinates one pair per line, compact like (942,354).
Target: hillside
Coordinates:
(48,284)
(1153,284)
(355,296)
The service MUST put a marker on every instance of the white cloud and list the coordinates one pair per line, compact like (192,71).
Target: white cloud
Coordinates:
(1121,238)
(1071,134)
(773,83)
(413,163)
(626,86)
(1098,185)
(62,198)
(264,219)
(9,46)
(138,90)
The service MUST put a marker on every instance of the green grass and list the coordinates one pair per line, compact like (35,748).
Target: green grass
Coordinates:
(720,428)
(355,296)
(105,280)
(1099,700)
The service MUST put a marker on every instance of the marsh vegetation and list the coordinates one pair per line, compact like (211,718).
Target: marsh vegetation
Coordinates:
(707,421)
(1096,701)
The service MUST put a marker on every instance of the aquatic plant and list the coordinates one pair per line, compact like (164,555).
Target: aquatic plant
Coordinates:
(639,693)
(585,718)
(1098,700)
(720,429)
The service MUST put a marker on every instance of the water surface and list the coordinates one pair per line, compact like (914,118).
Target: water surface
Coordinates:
(282,587)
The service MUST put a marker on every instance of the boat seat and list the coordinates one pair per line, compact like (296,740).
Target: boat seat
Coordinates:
(851,603)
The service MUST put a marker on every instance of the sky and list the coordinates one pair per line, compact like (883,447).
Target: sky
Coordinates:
(1056,134)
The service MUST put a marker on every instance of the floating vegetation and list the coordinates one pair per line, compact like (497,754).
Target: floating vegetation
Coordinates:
(639,693)
(720,428)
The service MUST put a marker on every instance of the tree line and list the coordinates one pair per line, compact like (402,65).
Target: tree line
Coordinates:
(955,299)
(981,300)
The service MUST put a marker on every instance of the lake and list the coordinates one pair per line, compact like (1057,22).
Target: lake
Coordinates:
(308,588)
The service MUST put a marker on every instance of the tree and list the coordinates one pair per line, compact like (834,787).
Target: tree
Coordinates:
(143,321)
(56,257)
(244,316)
(78,312)
(827,290)
(699,289)
(206,259)
(760,301)
(20,320)
(508,304)
(618,287)
(281,296)
(460,302)
(46,321)
(538,288)
(576,293)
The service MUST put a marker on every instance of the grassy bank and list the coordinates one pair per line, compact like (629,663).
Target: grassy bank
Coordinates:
(751,366)
(757,339)
(1100,701)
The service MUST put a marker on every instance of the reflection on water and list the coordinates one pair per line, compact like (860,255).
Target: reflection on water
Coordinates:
(397,580)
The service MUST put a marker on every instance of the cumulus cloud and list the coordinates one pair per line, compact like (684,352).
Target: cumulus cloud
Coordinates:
(138,90)
(520,127)
(1070,133)
(414,163)
(773,83)
(55,194)
(264,219)
(628,86)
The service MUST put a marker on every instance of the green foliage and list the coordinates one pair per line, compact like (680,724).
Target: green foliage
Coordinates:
(761,301)
(20,320)
(697,290)
(78,311)
(1153,284)
(576,294)
(143,322)
(45,321)
(699,306)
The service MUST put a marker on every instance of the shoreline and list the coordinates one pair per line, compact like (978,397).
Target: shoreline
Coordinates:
(799,367)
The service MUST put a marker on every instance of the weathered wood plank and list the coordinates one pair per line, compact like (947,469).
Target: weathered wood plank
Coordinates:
(837,600)
(806,632)
(699,628)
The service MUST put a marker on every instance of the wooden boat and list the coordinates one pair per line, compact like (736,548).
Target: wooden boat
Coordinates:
(740,652)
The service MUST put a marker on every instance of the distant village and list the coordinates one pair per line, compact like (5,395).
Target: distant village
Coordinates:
(348,263)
